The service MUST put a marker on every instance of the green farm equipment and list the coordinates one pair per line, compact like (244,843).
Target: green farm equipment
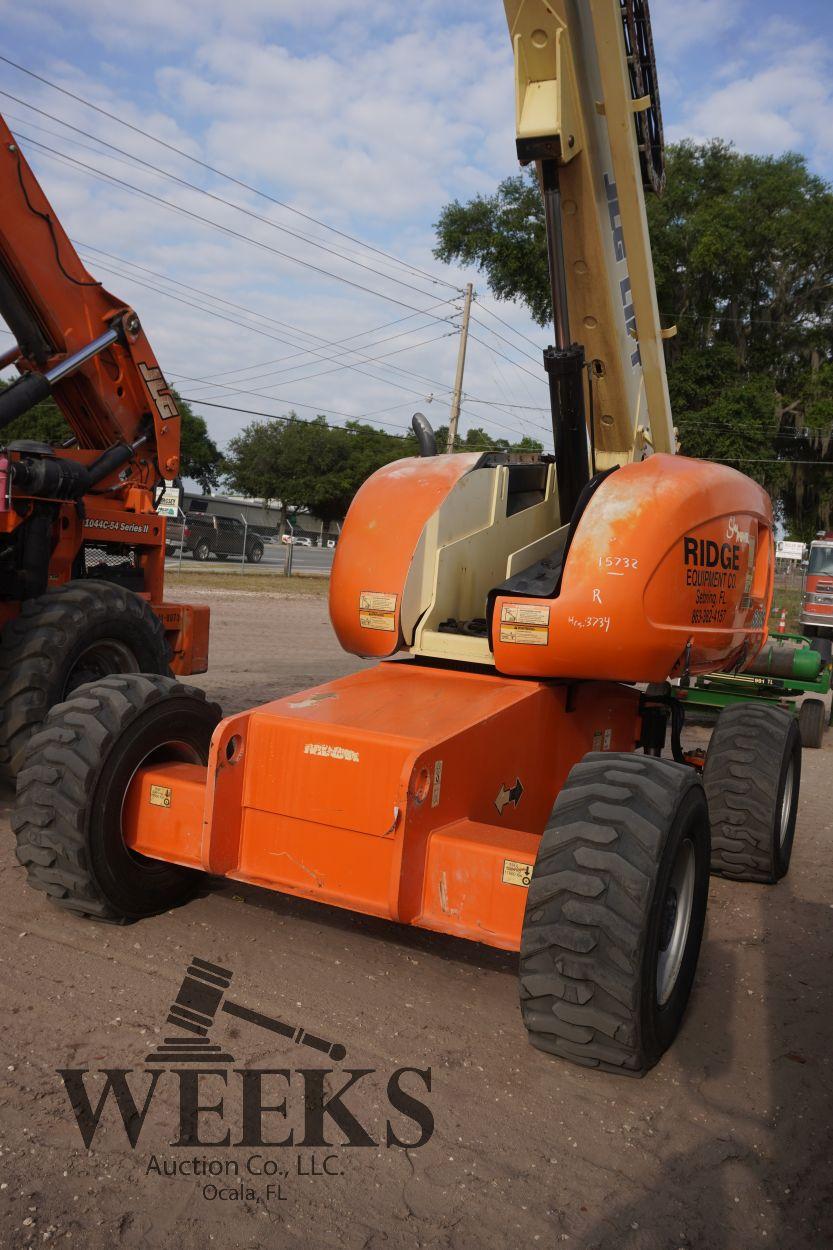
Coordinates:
(784,671)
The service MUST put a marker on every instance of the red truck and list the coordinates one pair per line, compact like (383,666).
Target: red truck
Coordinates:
(817,597)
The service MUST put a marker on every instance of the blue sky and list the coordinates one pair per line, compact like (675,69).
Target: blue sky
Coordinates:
(368,118)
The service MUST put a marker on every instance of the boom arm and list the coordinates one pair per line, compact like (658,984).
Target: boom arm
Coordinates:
(574,84)
(74,339)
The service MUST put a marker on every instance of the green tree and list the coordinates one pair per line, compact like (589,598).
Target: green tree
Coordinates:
(45,423)
(199,456)
(476,439)
(309,464)
(743,259)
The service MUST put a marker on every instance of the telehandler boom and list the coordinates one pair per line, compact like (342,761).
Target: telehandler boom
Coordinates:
(499,775)
(82,550)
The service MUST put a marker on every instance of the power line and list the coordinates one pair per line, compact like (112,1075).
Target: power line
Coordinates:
(250,412)
(208,382)
(387,381)
(503,356)
(337,368)
(350,351)
(295,330)
(504,339)
(294,403)
(187,212)
(219,199)
(520,333)
(262,316)
(320,409)
(307,351)
(220,173)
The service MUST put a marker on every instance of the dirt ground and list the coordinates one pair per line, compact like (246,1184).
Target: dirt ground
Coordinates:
(726,1144)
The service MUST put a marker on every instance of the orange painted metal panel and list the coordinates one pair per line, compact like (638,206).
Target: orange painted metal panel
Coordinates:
(162,815)
(376,546)
(407,763)
(670,568)
(475,882)
(187,626)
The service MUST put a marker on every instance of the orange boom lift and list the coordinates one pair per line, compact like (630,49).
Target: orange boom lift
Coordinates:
(82,550)
(498,775)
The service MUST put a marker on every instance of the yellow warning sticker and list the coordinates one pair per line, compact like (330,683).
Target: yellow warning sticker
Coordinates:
(515,873)
(525,614)
(436,789)
(376,601)
(377,620)
(377,610)
(160,796)
(536,635)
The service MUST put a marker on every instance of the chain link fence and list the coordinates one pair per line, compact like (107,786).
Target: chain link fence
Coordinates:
(209,539)
(205,537)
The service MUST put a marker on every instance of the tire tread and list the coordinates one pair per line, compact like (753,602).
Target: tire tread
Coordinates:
(56,784)
(583,937)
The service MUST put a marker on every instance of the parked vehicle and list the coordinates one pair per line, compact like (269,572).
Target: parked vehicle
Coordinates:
(205,535)
(817,598)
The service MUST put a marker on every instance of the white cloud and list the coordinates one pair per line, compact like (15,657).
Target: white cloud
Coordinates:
(776,97)
(680,27)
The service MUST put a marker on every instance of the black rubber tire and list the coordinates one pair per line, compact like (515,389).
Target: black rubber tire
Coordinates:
(41,654)
(812,722)
(67,818)
(750,755)
(202,550)
(255,553)
(593,928)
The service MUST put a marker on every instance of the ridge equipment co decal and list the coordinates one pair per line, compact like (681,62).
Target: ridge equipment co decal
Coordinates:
(711,570)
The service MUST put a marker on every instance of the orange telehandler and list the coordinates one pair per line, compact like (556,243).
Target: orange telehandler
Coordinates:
(499,775)
(82,550)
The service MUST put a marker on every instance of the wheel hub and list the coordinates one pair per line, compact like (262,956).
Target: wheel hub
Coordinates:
(675,921)
(100,659)
(786,804)
(669,915)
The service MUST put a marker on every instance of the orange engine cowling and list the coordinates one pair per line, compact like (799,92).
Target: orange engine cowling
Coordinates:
(668,570)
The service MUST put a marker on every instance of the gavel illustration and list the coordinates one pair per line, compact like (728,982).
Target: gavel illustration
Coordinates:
(195,1008)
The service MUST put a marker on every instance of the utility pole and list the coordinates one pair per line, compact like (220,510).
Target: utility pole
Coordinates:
(458,380)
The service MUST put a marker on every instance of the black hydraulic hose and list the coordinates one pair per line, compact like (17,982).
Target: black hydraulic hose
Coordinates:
(21,396)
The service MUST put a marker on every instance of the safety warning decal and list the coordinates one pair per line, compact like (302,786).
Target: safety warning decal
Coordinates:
(524,622)
(515,873)
(160,796)
(436,789)
(377,610)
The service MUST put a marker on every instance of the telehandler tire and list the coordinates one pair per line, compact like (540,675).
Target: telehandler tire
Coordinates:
(812,722)
(71,789)
(752,778)
(72,635)
(615,912)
